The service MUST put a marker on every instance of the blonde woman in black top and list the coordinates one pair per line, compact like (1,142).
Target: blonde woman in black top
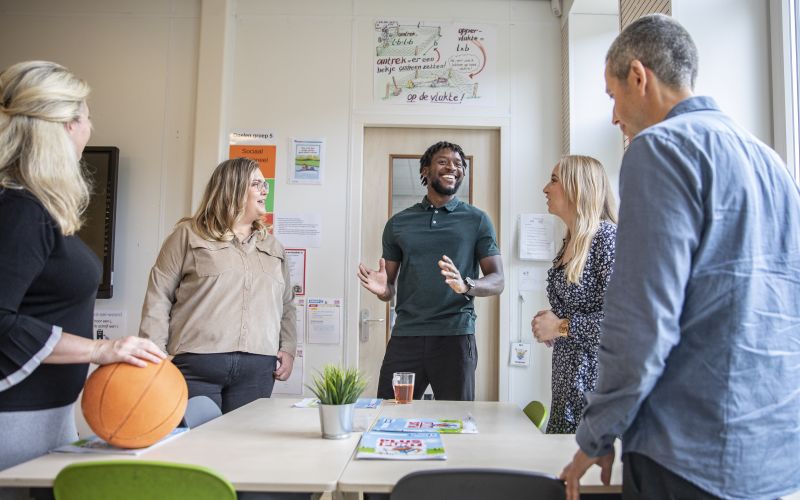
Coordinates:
(50,277)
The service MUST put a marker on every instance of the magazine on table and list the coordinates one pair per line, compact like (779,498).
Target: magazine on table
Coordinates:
(440,425)
(94,444)
(365,403)
(401,446)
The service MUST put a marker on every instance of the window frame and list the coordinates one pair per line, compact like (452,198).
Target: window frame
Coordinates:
(785,45)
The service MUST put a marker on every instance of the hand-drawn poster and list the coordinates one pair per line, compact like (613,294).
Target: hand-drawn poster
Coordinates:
(425,62)
(259,146)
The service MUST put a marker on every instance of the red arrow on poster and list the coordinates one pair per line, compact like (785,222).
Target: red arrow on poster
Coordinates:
(483,51)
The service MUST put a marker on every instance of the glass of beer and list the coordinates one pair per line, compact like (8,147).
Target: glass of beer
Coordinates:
(403,385)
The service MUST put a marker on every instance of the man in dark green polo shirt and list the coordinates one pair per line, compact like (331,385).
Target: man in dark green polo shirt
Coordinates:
(436,247)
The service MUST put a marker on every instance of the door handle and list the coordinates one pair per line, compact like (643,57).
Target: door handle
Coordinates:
(364,324)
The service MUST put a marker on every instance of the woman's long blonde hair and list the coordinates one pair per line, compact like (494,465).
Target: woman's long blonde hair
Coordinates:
(586,187)
(223,201)
(37,100)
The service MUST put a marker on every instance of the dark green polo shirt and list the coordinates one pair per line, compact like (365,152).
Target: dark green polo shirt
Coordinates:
(417,238)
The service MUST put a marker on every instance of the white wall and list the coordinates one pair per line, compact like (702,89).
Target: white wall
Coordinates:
(733,40)
(591,130)
(140,59)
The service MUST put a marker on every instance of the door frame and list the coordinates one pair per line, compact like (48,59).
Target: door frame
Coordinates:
(507,223)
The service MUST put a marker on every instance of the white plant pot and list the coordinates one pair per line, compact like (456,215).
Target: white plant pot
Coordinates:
(336,420)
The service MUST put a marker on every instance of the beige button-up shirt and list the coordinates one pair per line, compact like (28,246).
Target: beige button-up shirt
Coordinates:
(219,296)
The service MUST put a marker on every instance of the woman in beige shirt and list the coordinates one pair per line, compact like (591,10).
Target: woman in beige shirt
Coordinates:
(219,298)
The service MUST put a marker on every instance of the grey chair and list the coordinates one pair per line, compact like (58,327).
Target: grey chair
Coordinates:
(199,410)
(478,484)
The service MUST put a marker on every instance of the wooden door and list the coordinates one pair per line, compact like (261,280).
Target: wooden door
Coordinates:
(380,145)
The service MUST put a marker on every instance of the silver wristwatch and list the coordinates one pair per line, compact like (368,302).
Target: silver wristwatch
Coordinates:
(470,285)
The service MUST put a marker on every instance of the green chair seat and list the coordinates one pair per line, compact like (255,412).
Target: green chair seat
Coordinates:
(537,412)
(140,480)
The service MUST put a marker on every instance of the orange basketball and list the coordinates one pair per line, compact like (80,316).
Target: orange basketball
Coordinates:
(132,407)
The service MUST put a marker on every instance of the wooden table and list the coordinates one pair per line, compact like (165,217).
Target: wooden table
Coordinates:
(264,446)
(268,446)
(506,439)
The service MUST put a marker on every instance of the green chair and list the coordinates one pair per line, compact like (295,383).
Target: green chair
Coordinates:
(140,480)
(537,412)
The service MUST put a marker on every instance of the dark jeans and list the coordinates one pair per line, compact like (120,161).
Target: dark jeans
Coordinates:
(230,379)
(644,478)
(445,362)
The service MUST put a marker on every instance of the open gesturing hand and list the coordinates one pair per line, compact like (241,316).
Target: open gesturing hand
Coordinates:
(374,280)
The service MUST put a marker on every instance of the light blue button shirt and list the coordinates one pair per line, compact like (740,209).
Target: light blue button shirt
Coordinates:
(700,351)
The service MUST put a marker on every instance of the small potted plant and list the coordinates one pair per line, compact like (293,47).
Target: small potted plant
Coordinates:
(337,390)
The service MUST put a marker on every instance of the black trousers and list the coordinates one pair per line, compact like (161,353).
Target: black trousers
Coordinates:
(645,479)
(230,379)
(445,362)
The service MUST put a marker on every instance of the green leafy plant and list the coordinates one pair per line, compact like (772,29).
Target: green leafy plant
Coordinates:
(337,386)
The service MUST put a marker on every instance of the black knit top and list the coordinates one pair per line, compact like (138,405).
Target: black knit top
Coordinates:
(48,282)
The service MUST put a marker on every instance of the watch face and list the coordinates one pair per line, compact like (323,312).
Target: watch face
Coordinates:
(470,283)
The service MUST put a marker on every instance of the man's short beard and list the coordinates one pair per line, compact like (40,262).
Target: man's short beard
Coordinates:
(437,186)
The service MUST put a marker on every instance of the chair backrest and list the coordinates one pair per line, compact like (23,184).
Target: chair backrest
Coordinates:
(199,410)
(477,484)
(537,412)
(140,480)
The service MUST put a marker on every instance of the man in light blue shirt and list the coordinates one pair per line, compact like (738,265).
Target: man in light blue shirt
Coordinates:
(700,352)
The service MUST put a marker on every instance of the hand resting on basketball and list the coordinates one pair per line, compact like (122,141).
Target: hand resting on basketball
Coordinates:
(133,350)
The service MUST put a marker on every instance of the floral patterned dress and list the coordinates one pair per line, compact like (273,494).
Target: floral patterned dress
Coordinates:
(575,356)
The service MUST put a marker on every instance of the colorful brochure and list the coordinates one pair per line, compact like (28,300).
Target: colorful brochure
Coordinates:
(401,446)
(94,444)
(440,425)
(367,403)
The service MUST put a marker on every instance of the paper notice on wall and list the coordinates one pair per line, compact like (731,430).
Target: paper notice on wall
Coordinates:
(295,230)
(520,354)
(536,237)
(324,320)
(296,258)
(532,279)
(109,324)
(300,311)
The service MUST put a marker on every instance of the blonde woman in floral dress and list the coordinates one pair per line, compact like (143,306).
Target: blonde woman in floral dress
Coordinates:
(579,194)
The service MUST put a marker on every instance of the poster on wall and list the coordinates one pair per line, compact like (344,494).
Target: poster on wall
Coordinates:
(306,161)
(296,258)
(300,318)
(324,320)
(258,145)
(429,62)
